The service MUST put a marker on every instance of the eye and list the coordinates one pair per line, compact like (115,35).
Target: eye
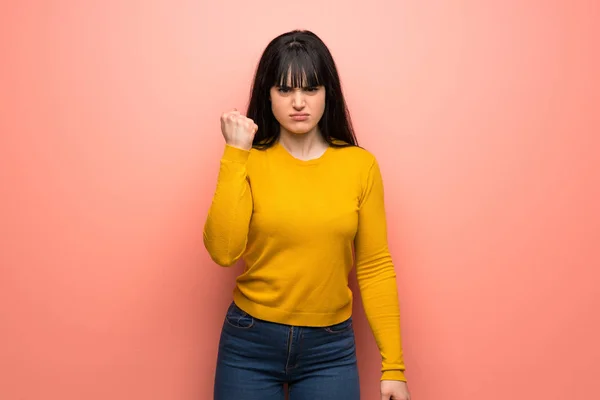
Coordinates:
(283,89)
(312,89)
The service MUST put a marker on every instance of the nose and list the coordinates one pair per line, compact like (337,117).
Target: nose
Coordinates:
(298,99)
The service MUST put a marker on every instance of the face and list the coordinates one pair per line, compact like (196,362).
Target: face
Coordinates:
(298,110)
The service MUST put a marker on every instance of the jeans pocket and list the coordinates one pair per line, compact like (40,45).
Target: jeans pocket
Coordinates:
(341,327)
(238,318)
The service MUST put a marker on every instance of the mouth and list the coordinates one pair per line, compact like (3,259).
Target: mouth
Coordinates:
(299,117)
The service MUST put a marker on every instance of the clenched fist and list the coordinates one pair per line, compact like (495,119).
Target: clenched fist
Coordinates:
(238,130)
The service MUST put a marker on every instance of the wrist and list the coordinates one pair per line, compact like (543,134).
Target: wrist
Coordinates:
(393,375)
(241,146)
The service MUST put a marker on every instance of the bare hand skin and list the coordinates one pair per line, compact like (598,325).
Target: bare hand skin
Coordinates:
(394,390)
(238,130)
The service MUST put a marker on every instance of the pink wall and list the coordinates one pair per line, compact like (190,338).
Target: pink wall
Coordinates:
(484,117)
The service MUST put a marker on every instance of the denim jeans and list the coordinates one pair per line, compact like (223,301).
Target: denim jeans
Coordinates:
(257,357)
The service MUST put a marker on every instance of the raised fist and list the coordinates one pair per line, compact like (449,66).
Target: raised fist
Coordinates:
(238,130)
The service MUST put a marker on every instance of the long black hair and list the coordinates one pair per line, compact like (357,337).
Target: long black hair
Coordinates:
(311,63)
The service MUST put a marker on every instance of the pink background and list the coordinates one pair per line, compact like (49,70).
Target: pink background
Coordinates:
(483,114)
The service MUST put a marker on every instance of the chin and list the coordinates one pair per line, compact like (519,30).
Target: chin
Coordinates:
(298,133)
(294,130)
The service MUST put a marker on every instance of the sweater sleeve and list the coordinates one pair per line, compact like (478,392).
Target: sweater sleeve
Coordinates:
(225,232)
(377,278)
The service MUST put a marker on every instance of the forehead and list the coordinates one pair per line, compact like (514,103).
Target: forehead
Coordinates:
(297,75)
(294,80)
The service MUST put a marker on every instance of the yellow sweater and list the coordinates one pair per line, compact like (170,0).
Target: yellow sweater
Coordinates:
(296,225)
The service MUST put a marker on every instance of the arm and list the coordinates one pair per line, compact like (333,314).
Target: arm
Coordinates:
(377,278)
(226,227)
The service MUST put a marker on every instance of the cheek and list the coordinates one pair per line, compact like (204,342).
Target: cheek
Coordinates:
(319,105)
(278,109)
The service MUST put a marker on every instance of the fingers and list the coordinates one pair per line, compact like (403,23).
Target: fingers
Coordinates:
(231,115)
(226,114)
(234,121)
(238,118)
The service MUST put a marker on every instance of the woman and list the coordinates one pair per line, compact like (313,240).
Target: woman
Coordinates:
(300,203)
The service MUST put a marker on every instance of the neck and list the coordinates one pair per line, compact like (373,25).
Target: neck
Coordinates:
(304,146)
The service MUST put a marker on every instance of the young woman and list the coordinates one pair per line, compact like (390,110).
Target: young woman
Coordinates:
(300,202)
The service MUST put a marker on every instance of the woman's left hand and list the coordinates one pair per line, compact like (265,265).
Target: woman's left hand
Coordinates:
(394,390)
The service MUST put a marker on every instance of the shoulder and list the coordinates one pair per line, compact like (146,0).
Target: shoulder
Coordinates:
(362,164)
(254,152)
(259,159)
(355,156)
(257,154)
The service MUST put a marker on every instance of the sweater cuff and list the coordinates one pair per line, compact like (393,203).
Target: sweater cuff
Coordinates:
(393,375)
(235,154)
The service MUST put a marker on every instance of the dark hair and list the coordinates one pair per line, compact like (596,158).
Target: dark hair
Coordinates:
(309,59)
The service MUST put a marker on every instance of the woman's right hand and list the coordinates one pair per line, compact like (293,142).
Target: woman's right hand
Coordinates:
(238,130)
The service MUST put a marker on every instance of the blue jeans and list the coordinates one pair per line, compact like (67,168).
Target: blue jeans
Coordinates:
(257,357)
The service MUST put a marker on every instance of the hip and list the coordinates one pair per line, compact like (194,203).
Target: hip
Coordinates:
(282,347)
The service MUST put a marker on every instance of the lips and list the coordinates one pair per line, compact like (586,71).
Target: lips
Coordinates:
(299,117)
